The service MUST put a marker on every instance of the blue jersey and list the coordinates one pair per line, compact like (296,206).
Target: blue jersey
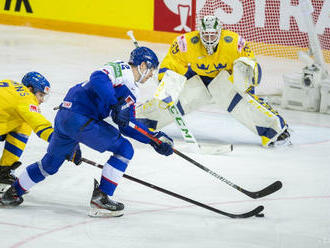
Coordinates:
(106,86)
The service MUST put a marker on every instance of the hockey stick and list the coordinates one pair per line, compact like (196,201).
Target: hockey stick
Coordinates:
(255,195)
(190,138)
(181,124)
(254,212)
(186,133)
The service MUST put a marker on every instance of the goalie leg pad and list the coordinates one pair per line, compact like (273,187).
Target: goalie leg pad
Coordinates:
(154,113)
(170,87)
(194,95)
(248,109)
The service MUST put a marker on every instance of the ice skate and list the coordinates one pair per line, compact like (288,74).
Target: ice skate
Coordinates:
(282,140)
(7,177)
(102,206)
(10,198)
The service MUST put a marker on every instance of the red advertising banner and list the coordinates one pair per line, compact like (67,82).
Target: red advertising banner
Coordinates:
(173,16)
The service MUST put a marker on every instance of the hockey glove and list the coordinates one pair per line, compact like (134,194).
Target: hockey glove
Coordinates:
(164,148)
(120,114)
(76,156)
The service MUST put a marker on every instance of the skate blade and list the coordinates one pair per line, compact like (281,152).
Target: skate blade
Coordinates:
(104,213)
(5,205)
(4,187)
(281,144)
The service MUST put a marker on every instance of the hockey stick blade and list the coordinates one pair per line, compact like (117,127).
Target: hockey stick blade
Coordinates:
(264,192)
(268,190)
(258,194)
(251,213)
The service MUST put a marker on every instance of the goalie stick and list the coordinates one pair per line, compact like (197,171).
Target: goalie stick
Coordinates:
(186,133)
(190,138)
(254,212)
(255,195)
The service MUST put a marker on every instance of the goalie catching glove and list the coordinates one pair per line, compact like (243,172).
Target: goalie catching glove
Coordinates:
(246,73)
(165,145)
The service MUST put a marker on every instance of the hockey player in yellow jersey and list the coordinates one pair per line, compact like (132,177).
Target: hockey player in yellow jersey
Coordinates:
(189,55)
(19,115)
(218,67)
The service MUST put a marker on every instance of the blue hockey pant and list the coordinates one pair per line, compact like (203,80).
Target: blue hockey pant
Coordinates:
(69,130)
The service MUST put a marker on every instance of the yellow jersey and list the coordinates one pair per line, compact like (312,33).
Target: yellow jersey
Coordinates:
(188,56)
(17,106)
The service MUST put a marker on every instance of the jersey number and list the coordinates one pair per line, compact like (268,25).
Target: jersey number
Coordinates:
(175,48)
(4,84)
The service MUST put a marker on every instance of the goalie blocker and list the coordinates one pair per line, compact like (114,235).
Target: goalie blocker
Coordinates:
(234,97)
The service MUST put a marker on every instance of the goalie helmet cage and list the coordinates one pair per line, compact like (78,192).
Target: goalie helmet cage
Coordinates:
(271,27)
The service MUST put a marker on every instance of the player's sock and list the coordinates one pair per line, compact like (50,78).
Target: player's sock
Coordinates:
(7,176)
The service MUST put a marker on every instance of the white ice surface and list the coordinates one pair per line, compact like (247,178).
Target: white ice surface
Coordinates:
(54,213)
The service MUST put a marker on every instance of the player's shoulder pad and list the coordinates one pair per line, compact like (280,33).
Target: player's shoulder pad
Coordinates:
(193,37)
(7,81)
(128,79)
(116,71)
(233,39)
(184,41)
(228,36)
(21,92)
(113,69)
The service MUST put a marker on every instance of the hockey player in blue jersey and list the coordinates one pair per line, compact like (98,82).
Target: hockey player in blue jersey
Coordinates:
(108,96)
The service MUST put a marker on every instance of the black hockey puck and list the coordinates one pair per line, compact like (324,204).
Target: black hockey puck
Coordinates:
(260,215)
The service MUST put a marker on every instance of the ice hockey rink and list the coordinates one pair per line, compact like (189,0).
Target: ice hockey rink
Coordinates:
(54,213)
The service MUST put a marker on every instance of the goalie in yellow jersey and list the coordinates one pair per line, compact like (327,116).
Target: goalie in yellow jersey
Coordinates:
(213,65)
(19,115)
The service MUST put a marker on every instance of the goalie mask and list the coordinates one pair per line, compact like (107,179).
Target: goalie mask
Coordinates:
(210,30)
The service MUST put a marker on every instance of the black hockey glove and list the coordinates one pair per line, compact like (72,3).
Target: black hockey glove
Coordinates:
(164,148)
(76,156)
(120,113)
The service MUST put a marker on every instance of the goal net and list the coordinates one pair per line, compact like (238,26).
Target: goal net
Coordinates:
(272,28)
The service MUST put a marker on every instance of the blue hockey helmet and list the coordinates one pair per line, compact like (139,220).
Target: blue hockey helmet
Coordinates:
(37,81)
(144,54)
